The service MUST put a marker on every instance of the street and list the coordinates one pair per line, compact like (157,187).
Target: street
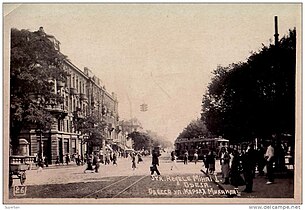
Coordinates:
(120,181)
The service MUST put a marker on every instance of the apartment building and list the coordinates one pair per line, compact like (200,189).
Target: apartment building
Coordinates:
(81,93)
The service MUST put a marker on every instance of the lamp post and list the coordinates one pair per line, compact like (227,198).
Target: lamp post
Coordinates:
(41,144)
(40,147)
(125,143)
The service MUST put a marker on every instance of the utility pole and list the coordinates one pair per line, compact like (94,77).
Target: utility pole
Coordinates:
(276,34)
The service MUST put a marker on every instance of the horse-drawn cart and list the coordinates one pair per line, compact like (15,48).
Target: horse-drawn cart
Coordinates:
(18,171)
(18,166)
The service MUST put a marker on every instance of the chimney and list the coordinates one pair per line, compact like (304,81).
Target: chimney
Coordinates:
(86,71)
(276,35)
(41,29)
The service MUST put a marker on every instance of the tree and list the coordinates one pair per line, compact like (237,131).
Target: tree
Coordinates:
(194,129)
(92,127)
(141,140)
(35,65)
(157,140)
(255,98)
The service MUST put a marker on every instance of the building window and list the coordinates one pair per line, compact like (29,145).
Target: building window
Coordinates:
(67,101)
(59,125)
(70,106)
(66,145)
(73,146)
(70,127)
(73,82)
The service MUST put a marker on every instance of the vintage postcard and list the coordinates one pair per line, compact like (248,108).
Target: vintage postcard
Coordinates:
(152,103)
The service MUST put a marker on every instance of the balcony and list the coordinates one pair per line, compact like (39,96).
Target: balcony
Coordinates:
(73,91)
(59,108)
(60,84)
(83,97)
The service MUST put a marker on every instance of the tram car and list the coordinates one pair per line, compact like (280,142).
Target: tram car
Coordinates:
(199,145)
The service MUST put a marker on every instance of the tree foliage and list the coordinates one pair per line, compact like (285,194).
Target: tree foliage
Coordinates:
(35,64)
(255,98)
(158,140)
(92,127)
(147,140)
(141,140)
(194,129)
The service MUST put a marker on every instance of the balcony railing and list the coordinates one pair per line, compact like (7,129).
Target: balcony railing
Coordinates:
(60,84)
(83,97)
(73,91)
(57,108)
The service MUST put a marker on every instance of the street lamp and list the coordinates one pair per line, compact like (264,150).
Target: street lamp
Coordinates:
(40,152)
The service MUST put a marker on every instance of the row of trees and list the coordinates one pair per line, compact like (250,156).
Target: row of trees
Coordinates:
(147,140)
(251,99)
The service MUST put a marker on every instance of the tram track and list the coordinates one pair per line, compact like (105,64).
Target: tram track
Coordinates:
(125,189)
(115,189)
(104,188)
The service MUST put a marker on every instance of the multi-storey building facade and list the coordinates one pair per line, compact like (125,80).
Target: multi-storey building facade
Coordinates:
(82,93)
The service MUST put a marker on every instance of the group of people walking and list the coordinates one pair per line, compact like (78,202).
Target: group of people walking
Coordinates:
(93,163)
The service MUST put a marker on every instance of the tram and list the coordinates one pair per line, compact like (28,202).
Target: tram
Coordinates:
(201,145)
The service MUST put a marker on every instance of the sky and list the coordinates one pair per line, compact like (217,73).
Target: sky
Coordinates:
(159,54)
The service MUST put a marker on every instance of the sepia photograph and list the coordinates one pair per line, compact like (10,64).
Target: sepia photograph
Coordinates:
(152,103)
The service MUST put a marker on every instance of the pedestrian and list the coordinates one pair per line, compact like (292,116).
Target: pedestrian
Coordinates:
(67,159)
(173,159)
(235,172)
(77,159)
(155,163)
(248,164)
(94,161)
(225,168)
(114,159)
(89,164)
(260,159)
(195,157)
(36,160)
(205,163)
(40,161)
(107,158)
(185,158)
(133,161)
(139,158)
(57,160)
(97,163)
(270,159)
(46,161)
(211,159)
(279,156)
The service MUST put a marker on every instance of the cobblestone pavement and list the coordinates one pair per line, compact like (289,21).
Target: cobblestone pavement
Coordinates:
(63,174)
(72,174)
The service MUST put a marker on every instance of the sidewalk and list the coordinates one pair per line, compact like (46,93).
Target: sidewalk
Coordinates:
(283,186)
